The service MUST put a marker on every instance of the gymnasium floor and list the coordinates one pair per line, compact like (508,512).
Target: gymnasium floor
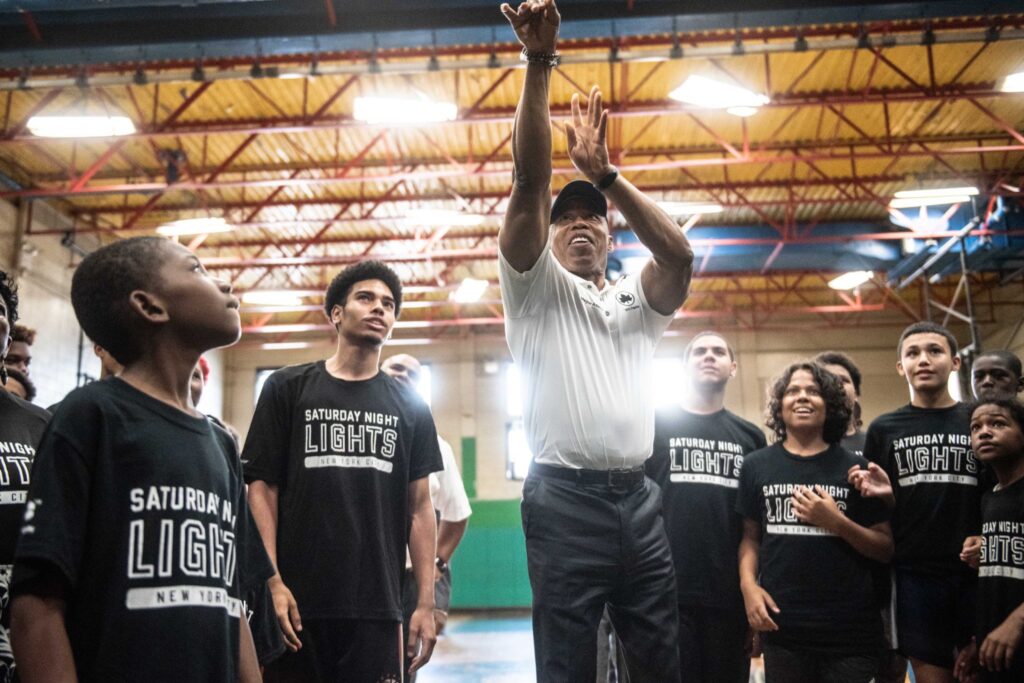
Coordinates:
(491,647)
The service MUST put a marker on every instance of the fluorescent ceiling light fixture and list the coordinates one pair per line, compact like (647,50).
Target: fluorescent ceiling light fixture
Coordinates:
(1013,83)
(272,297)
(285,346)
(469,291)
(443,218)
(850,280)
(398,111)
(689,208)
(80,126)
(195,226)
(946,200)
(937,192)
(410,341)
(708,93)
(743,112)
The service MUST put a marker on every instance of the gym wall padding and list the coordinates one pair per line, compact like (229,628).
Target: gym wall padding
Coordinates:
(489,567)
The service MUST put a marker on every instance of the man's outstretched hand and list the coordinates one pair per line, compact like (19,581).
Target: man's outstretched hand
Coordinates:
(535,23)
(587,135)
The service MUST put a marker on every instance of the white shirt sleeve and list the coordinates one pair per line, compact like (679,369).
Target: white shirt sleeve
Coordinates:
(450,499)
(523,293)
(654,323)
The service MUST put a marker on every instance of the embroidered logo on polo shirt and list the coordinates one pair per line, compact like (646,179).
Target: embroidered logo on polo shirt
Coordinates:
(625,298)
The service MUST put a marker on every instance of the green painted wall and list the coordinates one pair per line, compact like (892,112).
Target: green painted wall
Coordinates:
(489,567)
(469,465)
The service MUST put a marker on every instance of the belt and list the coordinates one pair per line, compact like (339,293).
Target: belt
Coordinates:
(617,478)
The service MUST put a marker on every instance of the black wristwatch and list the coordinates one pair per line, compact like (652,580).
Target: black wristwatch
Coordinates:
(609,178)
(441,564)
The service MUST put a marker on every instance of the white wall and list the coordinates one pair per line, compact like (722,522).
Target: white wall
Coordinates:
(44,284)
(469,402)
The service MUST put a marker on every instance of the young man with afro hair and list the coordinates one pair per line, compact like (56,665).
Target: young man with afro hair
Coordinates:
(337,458)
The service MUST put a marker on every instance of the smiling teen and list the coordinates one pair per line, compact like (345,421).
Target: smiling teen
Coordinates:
(925,449)
(809,537)
(137,544)
(337,458)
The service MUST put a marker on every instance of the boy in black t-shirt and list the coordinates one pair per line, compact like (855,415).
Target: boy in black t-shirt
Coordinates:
(925,450)
(21,428)
(699,448)
(892,667)
(808,538)
(337,458)
(997,437)
(843,367)
(136,547)
(997,374)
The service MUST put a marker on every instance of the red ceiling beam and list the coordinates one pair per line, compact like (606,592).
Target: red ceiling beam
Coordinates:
(295,181)
(298,124)
(87,175)
(19,128)
(562,159)
(1002,123)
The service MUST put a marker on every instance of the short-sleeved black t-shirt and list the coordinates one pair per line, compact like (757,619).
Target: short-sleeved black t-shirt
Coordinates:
(854,442)
(1001,574)
(21,428)
(823,587)
(142,509)
(342,454)
(935,477)
(696,461)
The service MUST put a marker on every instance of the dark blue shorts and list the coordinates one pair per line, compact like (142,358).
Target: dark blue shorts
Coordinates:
(934,614)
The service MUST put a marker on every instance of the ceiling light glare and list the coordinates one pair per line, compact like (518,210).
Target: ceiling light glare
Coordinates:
(850,280)
(394,110)
(469,291)
(80,126)
(937,192)
(271,297)
(743,112)
(1013,83)
(689,208)
(911,203)
(708,93)
(285,346)
(443,218)
(194,226)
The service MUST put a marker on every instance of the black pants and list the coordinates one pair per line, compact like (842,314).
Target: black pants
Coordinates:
(411,595)
(588,546)
(782,665)
(342,651)
(713,645)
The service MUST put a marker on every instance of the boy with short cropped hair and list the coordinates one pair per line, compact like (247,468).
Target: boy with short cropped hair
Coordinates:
(699,448)
(136,545)
(925,449)
(997,374)
(997,436)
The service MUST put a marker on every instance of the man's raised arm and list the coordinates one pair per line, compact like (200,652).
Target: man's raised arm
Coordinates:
(525,230)
(666,278)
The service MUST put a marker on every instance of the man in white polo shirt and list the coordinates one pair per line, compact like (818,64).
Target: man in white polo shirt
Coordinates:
(594,531)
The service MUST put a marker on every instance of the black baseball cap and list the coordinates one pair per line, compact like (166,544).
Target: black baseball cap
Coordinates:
(583,191)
